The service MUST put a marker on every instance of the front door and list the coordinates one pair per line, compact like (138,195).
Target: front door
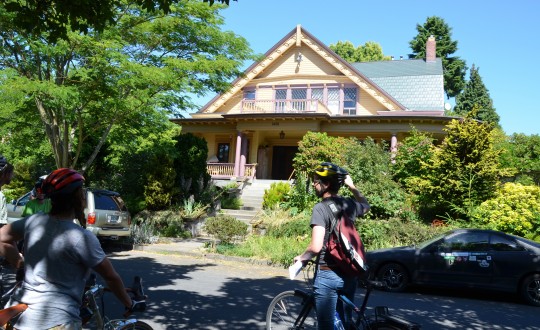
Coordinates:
(282,162)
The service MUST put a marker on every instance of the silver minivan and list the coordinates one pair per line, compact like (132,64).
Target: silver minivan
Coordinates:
(106,214)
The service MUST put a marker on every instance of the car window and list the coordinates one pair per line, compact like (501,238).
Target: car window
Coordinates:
(104,202)
(499,243)
(467,242)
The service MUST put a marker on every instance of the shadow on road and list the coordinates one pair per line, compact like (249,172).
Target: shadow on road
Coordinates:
(206,295)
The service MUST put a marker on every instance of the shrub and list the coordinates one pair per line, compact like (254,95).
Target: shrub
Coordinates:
(369,165)
(226,229)
(167,223)
(143,234)
(515,209)
(301,196)
(378,234)
(276,195)
(231,202)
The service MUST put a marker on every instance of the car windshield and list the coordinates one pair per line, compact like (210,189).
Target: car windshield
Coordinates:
(436,238)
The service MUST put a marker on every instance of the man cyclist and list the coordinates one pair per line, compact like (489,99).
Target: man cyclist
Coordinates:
(58,258)
(327,180)
(39,203)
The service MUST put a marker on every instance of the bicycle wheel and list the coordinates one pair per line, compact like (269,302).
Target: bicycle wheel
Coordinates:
(139,325)
(382,325)
(287,307)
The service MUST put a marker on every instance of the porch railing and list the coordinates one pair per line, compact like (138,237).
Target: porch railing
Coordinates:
(280,106)
(226,170)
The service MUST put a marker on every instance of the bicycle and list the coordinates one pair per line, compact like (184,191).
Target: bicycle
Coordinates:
(295,309)
(90,311)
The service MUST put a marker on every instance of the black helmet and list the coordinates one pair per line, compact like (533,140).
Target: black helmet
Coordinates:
(62,181)
(331,171)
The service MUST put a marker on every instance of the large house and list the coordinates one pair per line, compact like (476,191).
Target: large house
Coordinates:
(301,85)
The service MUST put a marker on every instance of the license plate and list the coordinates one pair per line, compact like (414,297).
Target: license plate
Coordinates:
(113,219)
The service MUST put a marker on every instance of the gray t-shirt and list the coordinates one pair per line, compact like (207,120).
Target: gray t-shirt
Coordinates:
(322,216)
(58,258)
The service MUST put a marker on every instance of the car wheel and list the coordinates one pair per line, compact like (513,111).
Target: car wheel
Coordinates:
(530,289)
(394,276)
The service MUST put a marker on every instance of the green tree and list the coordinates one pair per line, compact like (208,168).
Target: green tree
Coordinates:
(454,67)
(190,165)
(476,96)
(522,153)
(412,152)
(369,52)
(86,86)
(55,18)
(463,171)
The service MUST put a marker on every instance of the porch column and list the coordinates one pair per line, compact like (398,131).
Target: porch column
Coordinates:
(393,147)
(237,154)
(243,156)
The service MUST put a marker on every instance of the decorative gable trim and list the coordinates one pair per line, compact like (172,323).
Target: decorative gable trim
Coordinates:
(295,38)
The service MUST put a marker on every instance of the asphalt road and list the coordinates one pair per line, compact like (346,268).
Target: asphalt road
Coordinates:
(193,293)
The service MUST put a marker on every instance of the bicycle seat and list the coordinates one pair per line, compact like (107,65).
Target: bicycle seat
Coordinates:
(9,313)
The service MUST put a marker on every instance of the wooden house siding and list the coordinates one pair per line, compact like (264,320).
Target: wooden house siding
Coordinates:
(311,64)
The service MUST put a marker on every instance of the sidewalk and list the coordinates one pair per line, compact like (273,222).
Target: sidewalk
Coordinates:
(195,247)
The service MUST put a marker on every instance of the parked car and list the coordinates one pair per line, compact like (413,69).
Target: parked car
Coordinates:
(106,213)
(463,258)
(16,207)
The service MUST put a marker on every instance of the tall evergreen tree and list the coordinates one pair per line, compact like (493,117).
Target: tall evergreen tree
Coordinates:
(476,96)
(454,67)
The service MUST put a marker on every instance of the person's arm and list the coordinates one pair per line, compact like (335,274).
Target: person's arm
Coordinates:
(114,281)
(9,235)
(356,193)
(315,246)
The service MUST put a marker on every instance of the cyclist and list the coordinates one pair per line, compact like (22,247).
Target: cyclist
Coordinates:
(59,256)
(39,203)
(327,180)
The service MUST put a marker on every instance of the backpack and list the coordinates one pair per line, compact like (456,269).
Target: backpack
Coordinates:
(343,243)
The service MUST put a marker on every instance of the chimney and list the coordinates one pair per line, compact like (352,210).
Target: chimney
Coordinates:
(430,49)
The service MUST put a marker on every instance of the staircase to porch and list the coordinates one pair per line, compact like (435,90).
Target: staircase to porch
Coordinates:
(252,200)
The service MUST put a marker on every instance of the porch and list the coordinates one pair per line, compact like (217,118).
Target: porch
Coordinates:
(227,171)
(282,106)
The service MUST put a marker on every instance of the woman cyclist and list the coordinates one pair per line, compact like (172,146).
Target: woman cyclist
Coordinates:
(59,256)
(327,180)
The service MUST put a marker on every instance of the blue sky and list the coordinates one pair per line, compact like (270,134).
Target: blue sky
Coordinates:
(499,37)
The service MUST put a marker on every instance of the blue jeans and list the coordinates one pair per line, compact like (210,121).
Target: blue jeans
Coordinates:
(327,284)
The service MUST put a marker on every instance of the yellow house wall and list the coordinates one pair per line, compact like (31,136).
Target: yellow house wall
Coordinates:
(367,105)
(311,64)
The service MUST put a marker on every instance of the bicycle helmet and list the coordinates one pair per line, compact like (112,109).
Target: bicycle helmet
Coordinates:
(38,186)
(62,181)
(329,171)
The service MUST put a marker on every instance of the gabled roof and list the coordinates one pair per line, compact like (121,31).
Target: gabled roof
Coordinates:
(294,38)
(417,84)
(401,86)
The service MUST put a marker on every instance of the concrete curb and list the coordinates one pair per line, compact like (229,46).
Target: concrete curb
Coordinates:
(197,250)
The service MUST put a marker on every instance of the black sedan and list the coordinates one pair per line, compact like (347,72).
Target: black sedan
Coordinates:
(465,258)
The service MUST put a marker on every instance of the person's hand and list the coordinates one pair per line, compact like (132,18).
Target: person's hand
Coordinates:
(349,182)
(136,306)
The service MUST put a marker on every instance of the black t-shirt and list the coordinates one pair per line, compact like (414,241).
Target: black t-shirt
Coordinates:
(322,216)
